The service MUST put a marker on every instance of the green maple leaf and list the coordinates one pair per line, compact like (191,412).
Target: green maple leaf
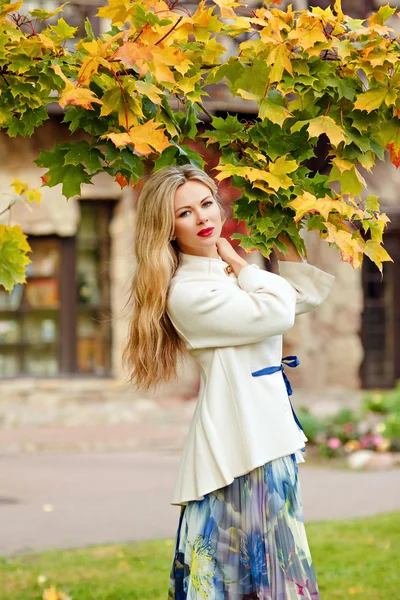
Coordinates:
(71,177)
(351,181)
(62,31)
(133,162)
(82,152)
(226,130)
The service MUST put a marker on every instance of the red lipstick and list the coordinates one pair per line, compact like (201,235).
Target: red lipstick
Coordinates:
(206,232)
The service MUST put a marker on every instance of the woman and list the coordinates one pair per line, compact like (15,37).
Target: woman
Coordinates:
(241,532)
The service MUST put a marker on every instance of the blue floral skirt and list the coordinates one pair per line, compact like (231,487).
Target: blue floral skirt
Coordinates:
(246,541)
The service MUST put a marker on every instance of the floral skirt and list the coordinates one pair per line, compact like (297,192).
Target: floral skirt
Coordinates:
(246,541)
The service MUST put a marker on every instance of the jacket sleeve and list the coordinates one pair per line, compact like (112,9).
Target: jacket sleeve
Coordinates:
(312,285)
(216,313)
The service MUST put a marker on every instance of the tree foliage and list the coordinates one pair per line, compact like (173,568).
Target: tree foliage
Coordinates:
(312,73)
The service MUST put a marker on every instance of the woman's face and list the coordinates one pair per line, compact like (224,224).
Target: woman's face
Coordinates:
(195,210)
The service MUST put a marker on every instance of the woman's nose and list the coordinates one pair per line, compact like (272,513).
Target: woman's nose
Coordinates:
(201,218)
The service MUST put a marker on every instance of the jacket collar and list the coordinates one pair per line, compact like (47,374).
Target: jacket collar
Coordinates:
(190,262)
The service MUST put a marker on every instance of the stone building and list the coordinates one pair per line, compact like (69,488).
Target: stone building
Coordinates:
(64,331)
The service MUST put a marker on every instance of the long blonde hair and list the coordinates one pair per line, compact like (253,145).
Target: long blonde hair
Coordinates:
(154,346)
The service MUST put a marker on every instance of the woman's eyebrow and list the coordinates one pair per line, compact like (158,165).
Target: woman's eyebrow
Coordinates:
(205,198)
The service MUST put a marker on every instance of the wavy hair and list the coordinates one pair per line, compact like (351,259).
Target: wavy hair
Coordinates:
(153,345)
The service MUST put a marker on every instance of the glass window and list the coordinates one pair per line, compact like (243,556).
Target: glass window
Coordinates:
(59,321)
(93,296)
(29,316)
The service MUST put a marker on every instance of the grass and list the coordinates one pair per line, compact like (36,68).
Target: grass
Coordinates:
(353,558)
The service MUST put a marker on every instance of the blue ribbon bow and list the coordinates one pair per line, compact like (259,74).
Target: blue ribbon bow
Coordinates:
(289,361)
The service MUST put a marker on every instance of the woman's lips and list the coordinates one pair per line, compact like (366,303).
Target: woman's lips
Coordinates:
(206,232)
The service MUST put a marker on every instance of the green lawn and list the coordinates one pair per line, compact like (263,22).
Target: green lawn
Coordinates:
(357,558)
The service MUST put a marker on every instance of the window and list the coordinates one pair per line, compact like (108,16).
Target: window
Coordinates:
(59,321)
(381,317)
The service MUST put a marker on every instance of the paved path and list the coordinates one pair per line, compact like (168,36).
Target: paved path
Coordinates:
(124,496)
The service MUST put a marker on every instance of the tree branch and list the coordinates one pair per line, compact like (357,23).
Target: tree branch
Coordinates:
(170,31)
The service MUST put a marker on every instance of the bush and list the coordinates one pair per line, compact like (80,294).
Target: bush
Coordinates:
(311,424)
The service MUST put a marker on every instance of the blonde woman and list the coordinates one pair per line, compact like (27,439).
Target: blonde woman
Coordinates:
(241,532)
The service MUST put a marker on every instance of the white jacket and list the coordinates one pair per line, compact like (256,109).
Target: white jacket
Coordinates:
(233,327)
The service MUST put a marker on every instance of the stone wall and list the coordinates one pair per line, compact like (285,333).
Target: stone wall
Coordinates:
(327,340)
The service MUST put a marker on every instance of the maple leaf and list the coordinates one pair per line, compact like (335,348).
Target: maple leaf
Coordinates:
(40,14)
(150,90)
(372,99)
(226,7)
(273,112)
(348,245)
(135,55)
(308,203)
(307,38)
(144,138)
(351,180)
(325,124)
(13,256)
(342,164)
(377,253)
(6,9)
(97,54)
(279,58)
(74,95)
(121,180)
(22,189)
(394,153)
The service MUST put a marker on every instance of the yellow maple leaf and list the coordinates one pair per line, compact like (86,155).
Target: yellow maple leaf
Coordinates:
(276,177)
(22,189)
(342,164)
(183,66)
(134,55)
(246,95)
(308,203)
(279,58)
(150,90)
(78,97)
(307,38)
(372,99)
(75,95)
(6,9)
(262,187)
(282,166)
(273,112)
(325,124)
(367,161)
(97,54)
(348,245)
(144,138)
(338,10)
(188,84)
(226,7)
(229,170)
(116,10)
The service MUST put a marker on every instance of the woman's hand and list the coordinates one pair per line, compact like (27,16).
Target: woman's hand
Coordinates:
(292,254)
(230,256)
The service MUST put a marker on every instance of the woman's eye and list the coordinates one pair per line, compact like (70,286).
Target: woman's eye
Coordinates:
(205,204)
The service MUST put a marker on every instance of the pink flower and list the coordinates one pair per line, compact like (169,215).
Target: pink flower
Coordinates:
(334,443)
(348,427)
(366,440)
(377,439)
